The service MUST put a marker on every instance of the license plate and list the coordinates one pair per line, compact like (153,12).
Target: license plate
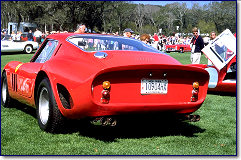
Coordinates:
(154,86)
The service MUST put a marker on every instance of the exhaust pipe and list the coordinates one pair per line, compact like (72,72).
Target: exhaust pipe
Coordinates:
(104,121)
(192,118)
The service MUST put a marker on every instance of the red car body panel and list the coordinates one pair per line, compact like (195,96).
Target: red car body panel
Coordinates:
(178,48)
(82,75)
(222,85)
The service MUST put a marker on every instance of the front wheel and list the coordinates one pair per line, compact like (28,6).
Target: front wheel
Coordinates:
(28,49)
(49,117)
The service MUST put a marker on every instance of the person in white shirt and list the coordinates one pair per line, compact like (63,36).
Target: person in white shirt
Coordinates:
(38,34)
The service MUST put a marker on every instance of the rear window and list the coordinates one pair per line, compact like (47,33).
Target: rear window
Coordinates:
(101,42)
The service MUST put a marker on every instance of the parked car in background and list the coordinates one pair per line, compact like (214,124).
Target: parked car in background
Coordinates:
(9,45)
(222,53)
(102,77)
(23,27)
(178,48)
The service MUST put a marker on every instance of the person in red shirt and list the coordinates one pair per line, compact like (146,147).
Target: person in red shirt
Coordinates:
(156,40)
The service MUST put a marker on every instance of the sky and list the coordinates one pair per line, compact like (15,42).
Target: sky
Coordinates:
(163,3)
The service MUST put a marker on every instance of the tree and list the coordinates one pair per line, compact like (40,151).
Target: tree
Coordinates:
(206,27)
(139,17)
(179,11)
(112,16)
(223,15)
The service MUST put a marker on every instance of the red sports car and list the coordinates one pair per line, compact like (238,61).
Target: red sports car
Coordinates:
(222,53)
(79,76)
(178,48)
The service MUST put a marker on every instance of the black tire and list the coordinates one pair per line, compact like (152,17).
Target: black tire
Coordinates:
(49,117)
(6,100)
(28,49)
(181,50)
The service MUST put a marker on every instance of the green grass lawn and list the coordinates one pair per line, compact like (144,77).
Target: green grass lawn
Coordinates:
(214,134)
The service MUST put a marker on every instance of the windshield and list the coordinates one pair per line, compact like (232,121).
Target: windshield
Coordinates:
(105,42)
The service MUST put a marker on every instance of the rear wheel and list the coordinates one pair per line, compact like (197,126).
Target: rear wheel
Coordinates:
(28,49)
(181,50)
(5,98)
(49,117)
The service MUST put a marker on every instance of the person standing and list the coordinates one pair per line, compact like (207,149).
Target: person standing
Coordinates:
(13,35)
(128,32)
(156,40)
(145,38)
(80,29)
(18,35)
(30,35)
(197,45)
(38,35)
(212,37)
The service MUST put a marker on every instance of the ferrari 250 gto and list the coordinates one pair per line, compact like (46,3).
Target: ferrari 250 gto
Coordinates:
(78,76)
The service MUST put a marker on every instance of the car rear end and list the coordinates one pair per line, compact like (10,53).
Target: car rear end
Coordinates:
(150,88)
(132,81)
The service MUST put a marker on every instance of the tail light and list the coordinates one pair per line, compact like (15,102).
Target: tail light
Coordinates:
(195,91)
(106,85)
(195,85)
(105,98)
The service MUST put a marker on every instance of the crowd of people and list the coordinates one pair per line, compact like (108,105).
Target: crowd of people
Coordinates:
(156,40)
(37,35)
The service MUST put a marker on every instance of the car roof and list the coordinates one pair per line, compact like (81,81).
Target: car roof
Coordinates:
(64,36)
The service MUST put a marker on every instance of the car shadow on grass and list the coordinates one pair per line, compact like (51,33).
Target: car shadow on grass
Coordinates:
(24,108)
(223,93)
(134,127)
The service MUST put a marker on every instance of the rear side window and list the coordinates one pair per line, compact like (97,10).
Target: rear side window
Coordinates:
(47,51)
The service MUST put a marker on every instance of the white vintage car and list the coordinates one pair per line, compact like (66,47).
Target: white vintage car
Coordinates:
(18,46)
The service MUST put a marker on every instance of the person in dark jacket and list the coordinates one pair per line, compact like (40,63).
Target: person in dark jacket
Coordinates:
(30,35)
(197,45)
